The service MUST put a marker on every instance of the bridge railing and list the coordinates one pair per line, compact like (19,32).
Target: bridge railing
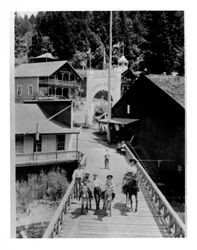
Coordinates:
(175,225)
(56,223)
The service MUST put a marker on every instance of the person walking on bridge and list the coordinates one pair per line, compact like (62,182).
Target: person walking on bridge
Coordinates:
(109,185)
(133,169)
(107,156)
(78,175)
(97,185)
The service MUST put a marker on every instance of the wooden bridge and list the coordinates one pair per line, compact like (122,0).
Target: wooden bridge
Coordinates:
(154,218)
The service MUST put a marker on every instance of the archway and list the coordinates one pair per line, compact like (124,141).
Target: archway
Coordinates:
(100,103)
(97,80)
(102,94)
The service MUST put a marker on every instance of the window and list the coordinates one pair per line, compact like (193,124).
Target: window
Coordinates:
(128,109)
(19,90)
(38,144)
(60,142)
(19,144)
(30,90)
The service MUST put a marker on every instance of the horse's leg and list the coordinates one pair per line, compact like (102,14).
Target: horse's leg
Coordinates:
(110,209)
(82,206)
(136,202)
(78,191)
(105,202)
(127,198)
(87,204)
(131,202)
(90,203)
(97,201)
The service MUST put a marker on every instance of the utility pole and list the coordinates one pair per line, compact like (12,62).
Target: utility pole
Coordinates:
(109,80)
(90,58)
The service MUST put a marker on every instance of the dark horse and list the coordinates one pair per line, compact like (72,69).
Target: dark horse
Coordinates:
(130,189)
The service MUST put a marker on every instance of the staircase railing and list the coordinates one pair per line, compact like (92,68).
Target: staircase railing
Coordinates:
(175,225)
(56,223)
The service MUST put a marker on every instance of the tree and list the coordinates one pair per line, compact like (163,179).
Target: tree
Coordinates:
(20,47)
(40,45)
(152,39)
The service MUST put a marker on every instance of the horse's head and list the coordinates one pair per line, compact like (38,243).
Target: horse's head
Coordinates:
(108,193)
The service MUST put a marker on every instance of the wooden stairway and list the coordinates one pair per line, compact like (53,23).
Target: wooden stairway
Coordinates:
(122,224)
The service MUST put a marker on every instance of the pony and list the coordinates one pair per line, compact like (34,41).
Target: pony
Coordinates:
(85,197)
(107,203)
(130,189)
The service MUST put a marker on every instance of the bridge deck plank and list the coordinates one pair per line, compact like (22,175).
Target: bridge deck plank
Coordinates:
(123,222)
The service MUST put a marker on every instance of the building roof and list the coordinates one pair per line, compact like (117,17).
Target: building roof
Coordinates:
(41,69)
(82,72)
(27,116)
(129,73)
(122,59)
(174,86)
(117,120)
(46,55)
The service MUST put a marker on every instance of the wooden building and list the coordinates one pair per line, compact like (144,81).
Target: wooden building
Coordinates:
(158,104)
(43,133)
(127,79)
(44,80)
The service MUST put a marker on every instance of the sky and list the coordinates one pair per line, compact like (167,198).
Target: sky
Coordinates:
(28,13)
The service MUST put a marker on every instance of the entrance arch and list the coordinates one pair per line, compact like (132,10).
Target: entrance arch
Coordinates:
(97,80)
(100,103)
(102,94)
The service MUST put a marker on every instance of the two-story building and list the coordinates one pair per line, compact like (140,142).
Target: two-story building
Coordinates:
(46,80)
(44,133)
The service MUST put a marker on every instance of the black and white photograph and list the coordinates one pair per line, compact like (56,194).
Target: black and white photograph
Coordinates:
(98,120)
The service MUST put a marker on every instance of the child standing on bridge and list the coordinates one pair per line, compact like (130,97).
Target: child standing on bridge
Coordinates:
(78,175)
(97,184)
(107,156)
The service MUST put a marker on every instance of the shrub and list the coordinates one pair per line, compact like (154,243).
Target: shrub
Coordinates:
(51,186)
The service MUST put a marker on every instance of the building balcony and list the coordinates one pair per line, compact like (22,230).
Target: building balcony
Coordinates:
(58,83)
(40,158)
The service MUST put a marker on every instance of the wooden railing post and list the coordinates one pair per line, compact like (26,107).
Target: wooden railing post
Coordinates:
(175,225)
(56,223)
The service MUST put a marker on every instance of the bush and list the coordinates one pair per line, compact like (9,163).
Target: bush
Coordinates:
(51,186)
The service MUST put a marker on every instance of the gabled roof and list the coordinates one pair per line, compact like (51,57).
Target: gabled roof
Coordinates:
(43,69)
(82,72)
(46,55)
(118,120)
(122,59)
(174,86)
(28,115)
(129,73)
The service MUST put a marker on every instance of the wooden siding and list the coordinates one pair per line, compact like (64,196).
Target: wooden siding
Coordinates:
(48,143)
(24,82)
(161,129)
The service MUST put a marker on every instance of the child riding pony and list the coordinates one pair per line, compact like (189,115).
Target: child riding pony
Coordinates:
(130,188)
(85,190)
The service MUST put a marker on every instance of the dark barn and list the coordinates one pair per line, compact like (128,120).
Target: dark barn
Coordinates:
(159,134)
